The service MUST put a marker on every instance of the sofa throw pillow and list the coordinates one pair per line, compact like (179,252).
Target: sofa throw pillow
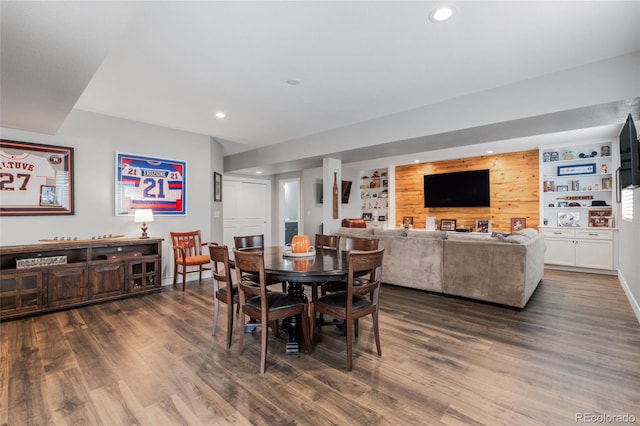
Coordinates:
(517,239)
(529,233)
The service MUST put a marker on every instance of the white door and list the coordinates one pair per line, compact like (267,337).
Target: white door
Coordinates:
(246,208)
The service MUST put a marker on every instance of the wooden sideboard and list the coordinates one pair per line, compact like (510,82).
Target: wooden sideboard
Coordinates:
(63,274)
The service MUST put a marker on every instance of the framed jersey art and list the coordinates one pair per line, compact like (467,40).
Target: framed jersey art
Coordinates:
(35,179)
(150,183)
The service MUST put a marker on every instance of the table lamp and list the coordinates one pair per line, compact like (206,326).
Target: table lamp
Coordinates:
(144,216)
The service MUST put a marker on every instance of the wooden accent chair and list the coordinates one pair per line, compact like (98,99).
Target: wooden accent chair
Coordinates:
(187,255)
(356,301)
(267,306)
(224,290)
(248,242)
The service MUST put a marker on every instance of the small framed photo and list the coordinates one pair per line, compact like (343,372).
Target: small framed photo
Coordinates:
(367,216)
(448,224)
(583,169)
(563,204)
(382,218)
(599,218)
(549,186)
(217,186)
(518,224)
(571,219)
(562,188)
(407,222)
(483,226)
(48,196)
(606,183)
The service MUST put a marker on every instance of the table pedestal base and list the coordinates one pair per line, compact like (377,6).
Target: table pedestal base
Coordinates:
(293,325)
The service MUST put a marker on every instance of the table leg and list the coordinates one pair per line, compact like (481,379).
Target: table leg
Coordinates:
(293,325)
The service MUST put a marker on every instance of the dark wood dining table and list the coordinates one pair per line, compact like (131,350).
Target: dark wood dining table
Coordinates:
(326,265)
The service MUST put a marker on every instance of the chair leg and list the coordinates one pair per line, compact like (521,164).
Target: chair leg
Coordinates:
(229,324)
(216,311)
(305,329)
(175,273)
(263,349)
(241,340)
(275,329)
(376,331)
(356,328)
(312,321)
(348,326)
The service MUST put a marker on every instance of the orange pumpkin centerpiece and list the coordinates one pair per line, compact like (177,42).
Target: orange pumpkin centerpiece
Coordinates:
(300,243)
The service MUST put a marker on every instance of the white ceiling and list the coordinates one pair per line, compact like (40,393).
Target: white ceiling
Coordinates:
(175,64)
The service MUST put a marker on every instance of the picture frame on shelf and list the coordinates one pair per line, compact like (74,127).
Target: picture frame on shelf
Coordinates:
(569,219)
(448,224)
(483,226)
(407,222)
(580,169)
(367,216)
(382,218)
(606,183)
(599,218)
(562,188)
(518,224)
(44,182)
(549,186)
(563,204)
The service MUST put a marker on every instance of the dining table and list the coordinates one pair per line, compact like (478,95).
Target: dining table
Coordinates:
(320,266)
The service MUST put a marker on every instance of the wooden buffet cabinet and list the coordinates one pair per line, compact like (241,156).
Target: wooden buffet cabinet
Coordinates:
(93,271)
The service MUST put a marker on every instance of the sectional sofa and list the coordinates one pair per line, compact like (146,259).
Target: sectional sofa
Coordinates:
(501,269)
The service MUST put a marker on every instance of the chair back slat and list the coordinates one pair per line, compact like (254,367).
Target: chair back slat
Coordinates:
(358,243)
(327,241)
(249,242)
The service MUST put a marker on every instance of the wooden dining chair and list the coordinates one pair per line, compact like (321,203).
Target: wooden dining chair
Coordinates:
(266,306)
(187,255)
(224,290)
(330,242)
(351,243)
(252,242)
(356,301)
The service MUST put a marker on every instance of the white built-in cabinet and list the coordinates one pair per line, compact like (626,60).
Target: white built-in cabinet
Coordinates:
(577,205)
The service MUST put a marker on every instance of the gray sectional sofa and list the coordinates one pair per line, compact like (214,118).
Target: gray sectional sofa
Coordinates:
(501,269)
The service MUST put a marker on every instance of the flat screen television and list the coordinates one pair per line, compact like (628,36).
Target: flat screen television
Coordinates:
(457,189)
(629,155)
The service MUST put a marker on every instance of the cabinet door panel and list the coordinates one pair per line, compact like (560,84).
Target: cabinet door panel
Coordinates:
(597,254)
(67,285)
(106,280)
(560,252)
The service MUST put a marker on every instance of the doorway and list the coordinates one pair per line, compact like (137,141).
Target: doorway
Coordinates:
(289,196)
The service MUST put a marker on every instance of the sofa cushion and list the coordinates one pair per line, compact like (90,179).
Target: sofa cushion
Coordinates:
(432,235)
(467,236)
(390,232)
(517,239)
(356,232)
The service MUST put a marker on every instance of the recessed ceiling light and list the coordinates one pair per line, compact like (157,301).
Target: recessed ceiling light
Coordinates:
(442,13)
(258,172)
(416,161)
(293,81)
(220,114)
(490,152)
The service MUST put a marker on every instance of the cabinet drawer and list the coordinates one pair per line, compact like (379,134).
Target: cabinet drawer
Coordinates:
(594,234)
(558,233)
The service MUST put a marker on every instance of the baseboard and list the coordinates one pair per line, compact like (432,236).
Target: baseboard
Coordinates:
(169,280)
(632,301)
(579,269)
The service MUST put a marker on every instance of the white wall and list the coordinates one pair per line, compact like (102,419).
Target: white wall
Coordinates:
(629,255)
(95,139)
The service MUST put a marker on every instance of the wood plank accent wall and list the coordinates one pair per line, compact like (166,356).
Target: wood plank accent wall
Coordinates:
(514,187)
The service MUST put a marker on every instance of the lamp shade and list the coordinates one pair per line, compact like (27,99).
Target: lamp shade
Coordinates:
(143,215)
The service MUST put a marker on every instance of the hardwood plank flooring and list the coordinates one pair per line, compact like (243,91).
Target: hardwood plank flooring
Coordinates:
(152,360)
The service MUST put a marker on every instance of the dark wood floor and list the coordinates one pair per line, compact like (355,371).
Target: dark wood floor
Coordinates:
(152,360)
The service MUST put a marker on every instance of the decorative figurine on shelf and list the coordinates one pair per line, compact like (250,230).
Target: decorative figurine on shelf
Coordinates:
(604,168)
(567,155)
(605,151)
(554,156)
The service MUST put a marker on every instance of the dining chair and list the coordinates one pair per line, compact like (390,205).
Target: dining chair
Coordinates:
(266,306)
(187,255)
(351,243)
(356,301)
(248,242)
(330,242)
(224,290)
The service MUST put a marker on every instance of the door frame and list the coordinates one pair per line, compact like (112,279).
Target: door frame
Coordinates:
(281,208)
(267,182)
